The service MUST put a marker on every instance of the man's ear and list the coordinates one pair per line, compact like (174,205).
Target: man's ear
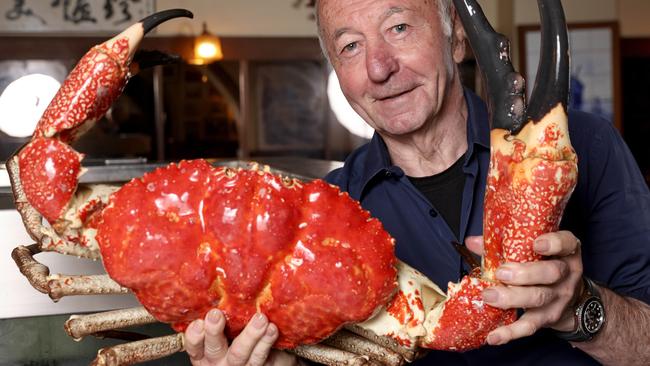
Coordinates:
(458,38)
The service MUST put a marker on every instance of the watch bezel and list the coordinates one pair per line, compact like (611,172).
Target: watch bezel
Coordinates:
(583,311)
(581,333)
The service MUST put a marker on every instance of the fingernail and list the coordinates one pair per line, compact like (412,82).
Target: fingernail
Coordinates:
(493,339)
(541,245)
(490,295)
(504,274)
(271,331)
(259,320)
(214,316)
(197,326)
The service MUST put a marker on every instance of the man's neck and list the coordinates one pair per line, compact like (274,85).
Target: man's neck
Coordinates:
(438,144)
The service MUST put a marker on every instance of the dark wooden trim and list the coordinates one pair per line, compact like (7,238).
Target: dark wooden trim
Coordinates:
(616,59)
(234,48)
(635,47)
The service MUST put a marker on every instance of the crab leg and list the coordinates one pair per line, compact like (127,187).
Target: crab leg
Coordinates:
(330,356)
(353,343)
(79,326)
(533,167)
(140,351)
(58,286)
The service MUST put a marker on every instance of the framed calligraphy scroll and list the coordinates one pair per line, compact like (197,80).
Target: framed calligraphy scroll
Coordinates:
(61,16)
(595,71)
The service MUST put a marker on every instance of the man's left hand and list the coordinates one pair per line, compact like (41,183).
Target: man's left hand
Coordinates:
(547,289)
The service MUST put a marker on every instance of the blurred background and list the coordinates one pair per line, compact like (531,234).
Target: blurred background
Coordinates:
(265,92)
(252,85)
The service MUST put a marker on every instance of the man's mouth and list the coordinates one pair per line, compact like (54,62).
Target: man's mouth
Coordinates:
(381,98)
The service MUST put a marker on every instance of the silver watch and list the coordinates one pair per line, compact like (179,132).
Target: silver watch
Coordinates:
(589,315)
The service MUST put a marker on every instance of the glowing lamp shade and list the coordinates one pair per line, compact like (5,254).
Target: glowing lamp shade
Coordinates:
(207,48)
(344,112)
(23,102)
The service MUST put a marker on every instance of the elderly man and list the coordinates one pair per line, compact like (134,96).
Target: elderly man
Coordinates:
(423,175)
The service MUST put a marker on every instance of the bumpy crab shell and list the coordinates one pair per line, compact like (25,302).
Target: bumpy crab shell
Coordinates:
(189,237)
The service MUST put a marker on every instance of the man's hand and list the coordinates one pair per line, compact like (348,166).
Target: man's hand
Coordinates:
(547,289)
(206,343)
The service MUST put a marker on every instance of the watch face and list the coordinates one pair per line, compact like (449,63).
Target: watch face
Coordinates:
(593,316)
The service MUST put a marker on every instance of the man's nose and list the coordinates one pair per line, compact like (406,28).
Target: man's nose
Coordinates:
(381,62)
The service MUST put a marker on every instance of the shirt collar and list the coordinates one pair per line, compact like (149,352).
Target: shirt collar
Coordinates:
(377,159)
(478,128)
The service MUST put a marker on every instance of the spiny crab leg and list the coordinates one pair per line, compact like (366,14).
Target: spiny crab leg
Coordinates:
(388,342)
(344,349)
(140,351)
(58,286)
(330,356)
(79,326)
(348,341)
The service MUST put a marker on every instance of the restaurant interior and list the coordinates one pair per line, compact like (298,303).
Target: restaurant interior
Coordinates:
(250,84)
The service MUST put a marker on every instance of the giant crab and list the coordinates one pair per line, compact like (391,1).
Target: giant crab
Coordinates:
(188,237)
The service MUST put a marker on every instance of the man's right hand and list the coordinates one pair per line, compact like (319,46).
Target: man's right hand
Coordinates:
(207,345)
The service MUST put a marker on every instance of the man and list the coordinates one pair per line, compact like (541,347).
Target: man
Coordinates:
(423,175)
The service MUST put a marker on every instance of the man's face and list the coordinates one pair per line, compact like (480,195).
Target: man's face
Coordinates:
(391,57)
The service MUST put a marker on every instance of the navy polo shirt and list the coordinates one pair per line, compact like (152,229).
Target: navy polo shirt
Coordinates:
(609,211)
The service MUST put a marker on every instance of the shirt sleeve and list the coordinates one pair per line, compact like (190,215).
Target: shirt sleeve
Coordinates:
(616,199)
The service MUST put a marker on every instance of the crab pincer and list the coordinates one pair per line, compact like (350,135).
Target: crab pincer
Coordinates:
(49,166)
(532,173)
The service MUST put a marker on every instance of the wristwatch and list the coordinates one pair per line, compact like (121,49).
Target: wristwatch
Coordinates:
(589,315)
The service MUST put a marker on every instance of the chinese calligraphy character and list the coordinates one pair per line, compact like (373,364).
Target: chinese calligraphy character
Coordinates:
(124,7)
(20,10)
(76,13)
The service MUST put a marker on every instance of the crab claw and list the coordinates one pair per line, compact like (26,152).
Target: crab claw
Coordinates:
(533,168)
(96,82)
(49,168)
(532,173)
(148,58)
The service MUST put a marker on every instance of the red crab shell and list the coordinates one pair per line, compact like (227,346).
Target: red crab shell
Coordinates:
(188,237)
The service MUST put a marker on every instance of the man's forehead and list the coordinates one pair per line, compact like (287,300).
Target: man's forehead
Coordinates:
(325,6)
(387,13)
(333,13)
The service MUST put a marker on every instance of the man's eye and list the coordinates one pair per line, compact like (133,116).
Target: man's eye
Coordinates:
(350,47)
(400,28)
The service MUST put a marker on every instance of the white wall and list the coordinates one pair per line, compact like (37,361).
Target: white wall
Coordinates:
(633,16)
(256,18)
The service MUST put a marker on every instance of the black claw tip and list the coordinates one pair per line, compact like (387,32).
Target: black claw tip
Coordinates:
(552,81)
(153,20)
(505,87)
(150,58)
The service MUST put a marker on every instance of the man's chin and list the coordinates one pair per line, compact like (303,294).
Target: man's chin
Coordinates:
(399,124)
(399,130)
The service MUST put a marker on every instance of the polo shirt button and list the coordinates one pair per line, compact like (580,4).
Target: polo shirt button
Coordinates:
(389,174)
(433,213)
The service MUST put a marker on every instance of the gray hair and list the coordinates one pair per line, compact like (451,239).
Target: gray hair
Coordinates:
(444,7)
